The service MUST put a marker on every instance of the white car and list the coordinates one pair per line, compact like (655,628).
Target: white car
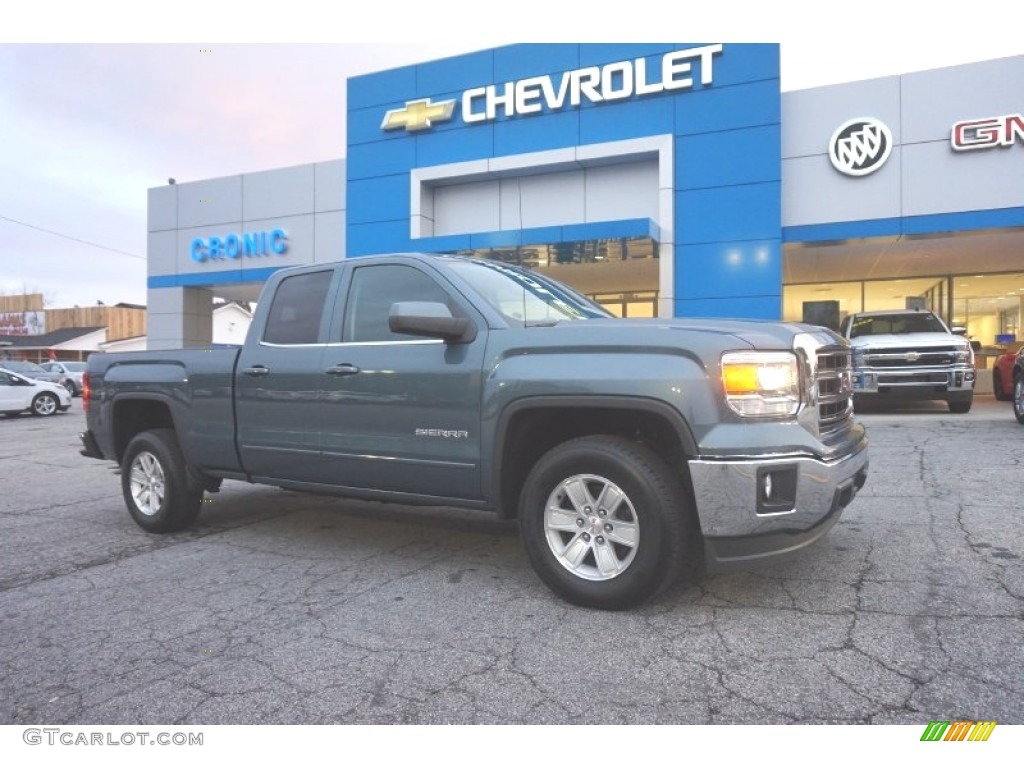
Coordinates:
(19,393)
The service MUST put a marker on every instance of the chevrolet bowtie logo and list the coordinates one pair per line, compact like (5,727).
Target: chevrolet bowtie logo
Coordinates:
(418,115)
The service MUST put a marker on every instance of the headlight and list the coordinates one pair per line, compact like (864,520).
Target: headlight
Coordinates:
(761,383)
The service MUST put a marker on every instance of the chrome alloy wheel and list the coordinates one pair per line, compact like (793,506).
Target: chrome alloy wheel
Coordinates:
(45,404)
(1018,397)
(591,527)
(147,483)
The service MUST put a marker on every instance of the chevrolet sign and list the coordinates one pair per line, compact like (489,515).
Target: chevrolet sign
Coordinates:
(611,82)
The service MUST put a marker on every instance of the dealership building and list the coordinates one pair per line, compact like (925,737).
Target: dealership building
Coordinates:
(661,180)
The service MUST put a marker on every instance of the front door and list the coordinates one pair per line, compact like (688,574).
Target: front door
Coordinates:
(400,413)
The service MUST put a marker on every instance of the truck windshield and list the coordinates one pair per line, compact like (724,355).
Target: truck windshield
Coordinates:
(526,298)
(875,325)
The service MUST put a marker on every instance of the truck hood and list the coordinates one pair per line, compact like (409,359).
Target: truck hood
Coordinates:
(762,334)
(904,340)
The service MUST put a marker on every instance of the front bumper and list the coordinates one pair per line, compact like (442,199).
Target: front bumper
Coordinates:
(913,382)
(740,525)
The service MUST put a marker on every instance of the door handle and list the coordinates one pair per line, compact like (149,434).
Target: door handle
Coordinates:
(256,370)
(345,369)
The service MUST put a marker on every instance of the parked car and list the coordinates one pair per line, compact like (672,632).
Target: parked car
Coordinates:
(910,354)
(632,452)
(1018,386)
(19,393)
(32,371)
(70,373)
(1002,376)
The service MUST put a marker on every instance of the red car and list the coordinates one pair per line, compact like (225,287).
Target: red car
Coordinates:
(1018,386)
(1002,376)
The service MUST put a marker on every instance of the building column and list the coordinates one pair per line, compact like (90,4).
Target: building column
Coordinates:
(179,317)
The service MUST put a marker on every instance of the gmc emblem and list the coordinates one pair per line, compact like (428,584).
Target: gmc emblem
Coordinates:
(987,132)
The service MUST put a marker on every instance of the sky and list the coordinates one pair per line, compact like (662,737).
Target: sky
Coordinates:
(100,102)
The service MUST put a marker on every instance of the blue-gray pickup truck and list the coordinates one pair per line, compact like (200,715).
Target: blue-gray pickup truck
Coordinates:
(632,451)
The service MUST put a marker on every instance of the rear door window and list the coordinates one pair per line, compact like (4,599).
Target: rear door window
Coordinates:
(297,309)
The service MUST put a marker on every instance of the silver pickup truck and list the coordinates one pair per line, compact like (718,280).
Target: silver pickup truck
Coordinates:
(631,451)
(910,354)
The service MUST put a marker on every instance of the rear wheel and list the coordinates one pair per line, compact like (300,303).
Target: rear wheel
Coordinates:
(155,484)
(605,522)
(1018,397)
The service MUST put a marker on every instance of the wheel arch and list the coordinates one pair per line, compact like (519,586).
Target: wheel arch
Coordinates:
(528,428)
(132,414)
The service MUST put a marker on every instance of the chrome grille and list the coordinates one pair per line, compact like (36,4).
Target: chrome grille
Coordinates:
(833,388)
(910,357)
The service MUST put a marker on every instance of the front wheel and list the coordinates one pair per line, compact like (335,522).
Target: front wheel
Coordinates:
(154,481)
(605,522)
(997,386)
(1018,397)
(45,404)
(961,406)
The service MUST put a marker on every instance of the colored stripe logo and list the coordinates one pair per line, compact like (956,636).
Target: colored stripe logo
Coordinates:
(958,730)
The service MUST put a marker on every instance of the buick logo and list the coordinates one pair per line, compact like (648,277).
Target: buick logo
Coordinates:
(860,146)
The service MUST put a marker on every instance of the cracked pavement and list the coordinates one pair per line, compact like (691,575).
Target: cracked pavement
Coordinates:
(288,608)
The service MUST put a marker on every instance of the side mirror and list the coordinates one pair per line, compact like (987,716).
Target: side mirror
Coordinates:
(959,330)
(431,319)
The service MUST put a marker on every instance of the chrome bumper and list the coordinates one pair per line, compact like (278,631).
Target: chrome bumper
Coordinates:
(739,523)
(872,381)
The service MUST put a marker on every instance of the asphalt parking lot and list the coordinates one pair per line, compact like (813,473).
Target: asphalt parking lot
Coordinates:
(286,608)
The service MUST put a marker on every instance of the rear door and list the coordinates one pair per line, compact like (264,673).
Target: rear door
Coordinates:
(400,413)
(277,382)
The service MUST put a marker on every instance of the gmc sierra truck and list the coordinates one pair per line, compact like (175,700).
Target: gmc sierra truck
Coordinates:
(910,354)
(631,451)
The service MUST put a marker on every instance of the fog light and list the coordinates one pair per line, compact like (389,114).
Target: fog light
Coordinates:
(776,489)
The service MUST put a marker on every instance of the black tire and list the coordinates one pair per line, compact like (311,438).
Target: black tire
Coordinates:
(45,404)
(961,406)
(663,535)
(155,483)
(997,386)
(1018,396)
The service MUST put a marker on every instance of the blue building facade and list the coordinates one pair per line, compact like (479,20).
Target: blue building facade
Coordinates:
(705,116)
(660,180)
